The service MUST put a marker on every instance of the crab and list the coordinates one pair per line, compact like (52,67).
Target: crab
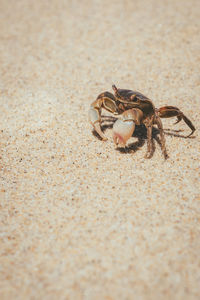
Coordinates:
(134,109)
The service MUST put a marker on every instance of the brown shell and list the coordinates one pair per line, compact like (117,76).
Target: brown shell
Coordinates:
(134,99)
(131,96)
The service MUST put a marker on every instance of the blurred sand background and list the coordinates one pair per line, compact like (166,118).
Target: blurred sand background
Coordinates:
(80,219)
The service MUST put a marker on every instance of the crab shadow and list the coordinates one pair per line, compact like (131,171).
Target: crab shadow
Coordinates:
(140,133)
(176,133)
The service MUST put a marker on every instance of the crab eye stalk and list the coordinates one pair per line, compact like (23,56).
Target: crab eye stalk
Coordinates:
(116,91)
(114,88)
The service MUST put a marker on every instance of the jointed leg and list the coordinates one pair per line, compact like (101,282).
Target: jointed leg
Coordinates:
(149,123)
(172,111)
(162,137)
(149,142)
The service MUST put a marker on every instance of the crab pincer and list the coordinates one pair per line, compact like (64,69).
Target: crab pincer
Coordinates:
(95,120)
(122,131)
(105,100)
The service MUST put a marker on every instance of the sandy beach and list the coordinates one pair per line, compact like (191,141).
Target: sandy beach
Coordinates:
(79,218)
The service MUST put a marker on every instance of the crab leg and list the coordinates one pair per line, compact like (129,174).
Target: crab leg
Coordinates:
(124,127)
(107,101)
(172,111)
(162,136)
(149,140)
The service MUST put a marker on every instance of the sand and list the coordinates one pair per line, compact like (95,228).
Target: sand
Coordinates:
(79,218)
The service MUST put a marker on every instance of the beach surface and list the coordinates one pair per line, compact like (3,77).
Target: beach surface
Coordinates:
(79,218)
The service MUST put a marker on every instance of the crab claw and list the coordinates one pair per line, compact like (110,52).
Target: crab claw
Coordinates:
(124,128)
(95,120)
(122,131)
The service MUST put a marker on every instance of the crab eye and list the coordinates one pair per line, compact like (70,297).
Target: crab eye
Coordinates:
(133,98)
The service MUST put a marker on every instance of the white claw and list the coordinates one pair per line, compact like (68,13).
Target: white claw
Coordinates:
(122,131)
(95,120)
